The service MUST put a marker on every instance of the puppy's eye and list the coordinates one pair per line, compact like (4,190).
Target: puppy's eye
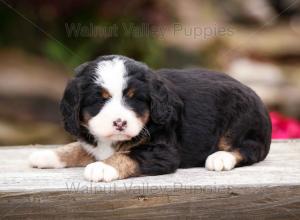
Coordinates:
(105,94)
(130,93)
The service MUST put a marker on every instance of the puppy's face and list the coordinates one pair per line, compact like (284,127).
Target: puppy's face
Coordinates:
(114,97)
(114,100)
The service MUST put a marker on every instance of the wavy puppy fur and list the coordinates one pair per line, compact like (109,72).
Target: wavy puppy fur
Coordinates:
(139,121)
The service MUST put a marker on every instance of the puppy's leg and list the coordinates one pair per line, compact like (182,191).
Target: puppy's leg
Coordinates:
(142,160)
(118,166)
(252,151)
(70,155)
(247,153)
(222,160)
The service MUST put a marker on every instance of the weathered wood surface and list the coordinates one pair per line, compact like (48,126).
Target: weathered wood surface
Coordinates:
(268,190)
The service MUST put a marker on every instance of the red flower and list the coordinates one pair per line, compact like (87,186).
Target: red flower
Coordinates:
(284,127)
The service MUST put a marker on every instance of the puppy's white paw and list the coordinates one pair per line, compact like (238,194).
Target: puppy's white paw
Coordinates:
(99,171)
(220,160)
(45,159)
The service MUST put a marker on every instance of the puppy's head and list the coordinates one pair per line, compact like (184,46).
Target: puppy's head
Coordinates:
(113,98)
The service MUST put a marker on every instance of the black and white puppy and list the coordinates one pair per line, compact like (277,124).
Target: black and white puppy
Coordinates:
(130,120)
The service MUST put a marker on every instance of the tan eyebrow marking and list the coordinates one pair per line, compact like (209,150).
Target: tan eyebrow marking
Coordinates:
(130,93)
(105,94)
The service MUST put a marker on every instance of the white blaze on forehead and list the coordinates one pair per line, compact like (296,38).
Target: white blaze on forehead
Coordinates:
(112,75)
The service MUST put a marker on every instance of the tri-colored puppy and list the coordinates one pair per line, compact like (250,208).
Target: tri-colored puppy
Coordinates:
(130,120)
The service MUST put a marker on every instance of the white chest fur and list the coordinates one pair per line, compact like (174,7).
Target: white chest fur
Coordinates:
(101,152)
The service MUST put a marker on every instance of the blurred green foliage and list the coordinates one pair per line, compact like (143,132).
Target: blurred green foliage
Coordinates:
(40,28)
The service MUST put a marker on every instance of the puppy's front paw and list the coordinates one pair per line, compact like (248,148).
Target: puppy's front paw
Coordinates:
(45,159)
(220,160)
(100,171)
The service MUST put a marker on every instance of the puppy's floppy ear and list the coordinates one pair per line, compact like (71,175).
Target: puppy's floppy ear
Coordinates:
(70,107)
(70,103)
(165,105)
(79,69)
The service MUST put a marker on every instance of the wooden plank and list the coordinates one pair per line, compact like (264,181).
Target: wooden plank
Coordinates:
(267,190)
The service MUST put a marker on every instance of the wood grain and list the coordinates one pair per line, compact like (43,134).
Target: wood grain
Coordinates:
(268,190)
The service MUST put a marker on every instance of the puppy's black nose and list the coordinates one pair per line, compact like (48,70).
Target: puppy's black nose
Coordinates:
(120,124)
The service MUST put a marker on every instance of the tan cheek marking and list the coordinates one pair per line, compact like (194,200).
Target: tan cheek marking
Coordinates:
(124,164)
(73,155)
(86,117)
(145,117)
(223,144)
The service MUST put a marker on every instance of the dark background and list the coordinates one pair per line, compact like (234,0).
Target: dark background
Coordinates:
(41,41)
